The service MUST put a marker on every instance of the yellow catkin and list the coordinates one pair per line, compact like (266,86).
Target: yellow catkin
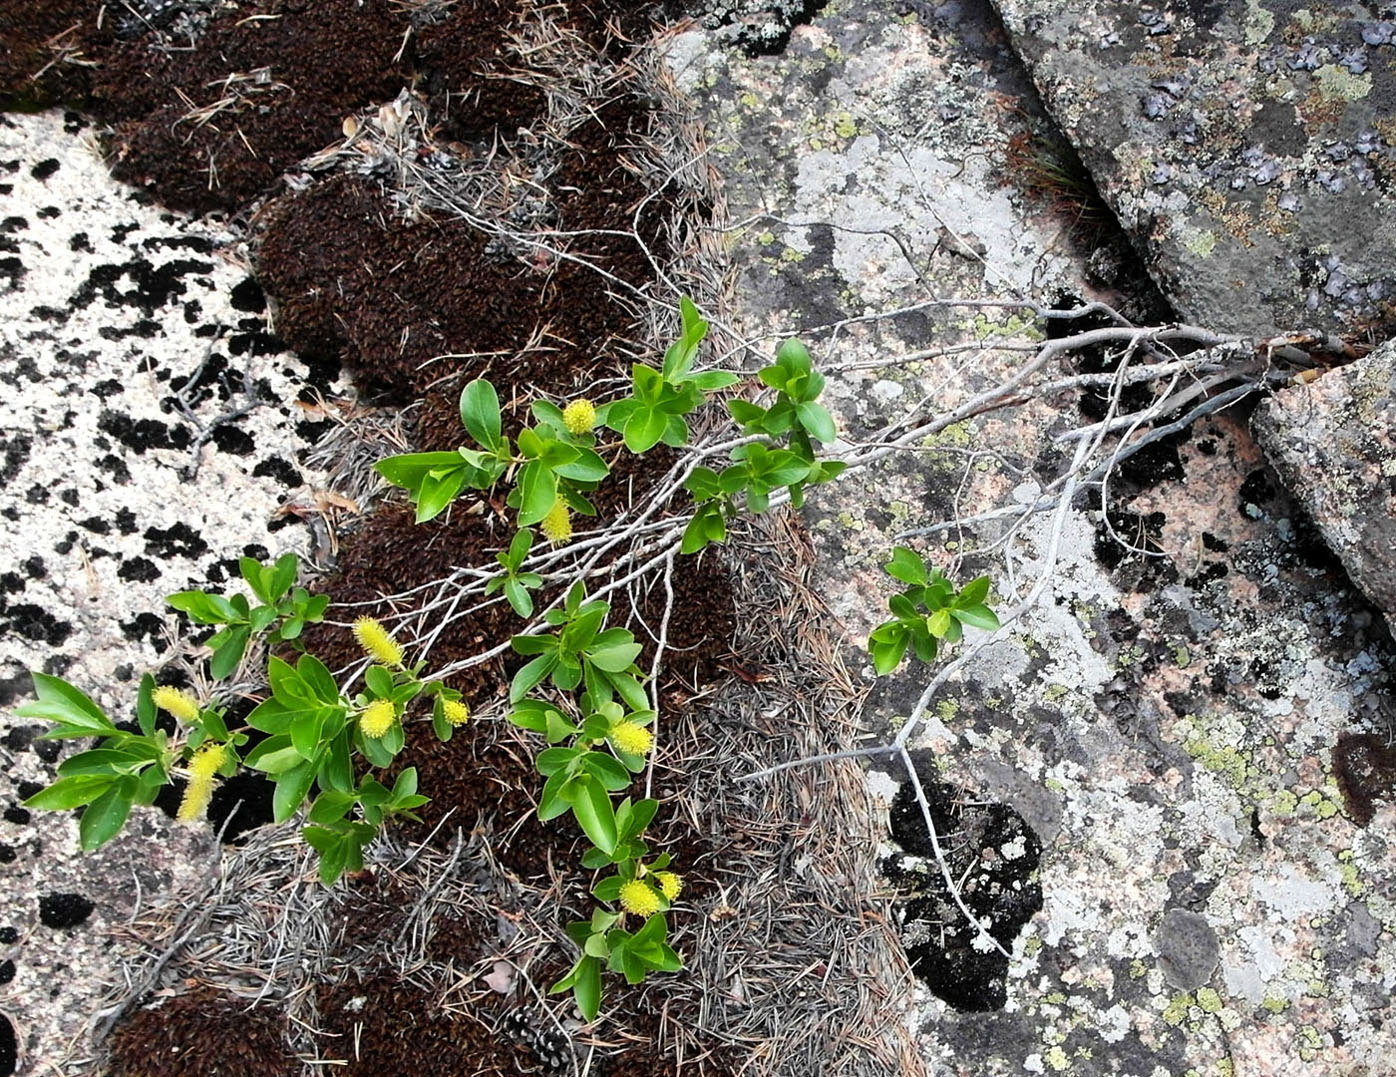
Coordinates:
(376,642)
(557,525)
(631,738)
(638,898)
(176,702)
(579,417)
(457,713)
(377,718)
(670,885)
(203,768)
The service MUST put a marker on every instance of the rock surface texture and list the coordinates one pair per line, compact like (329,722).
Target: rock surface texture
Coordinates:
(132,345)
(1248,146)
(1331,441)
(1162,720)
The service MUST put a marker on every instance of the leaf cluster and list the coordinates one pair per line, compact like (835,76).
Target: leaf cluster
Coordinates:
(282,614)
(547,462)
(122,768)
(928,612)
(660,400)
(781,454)
(585,765)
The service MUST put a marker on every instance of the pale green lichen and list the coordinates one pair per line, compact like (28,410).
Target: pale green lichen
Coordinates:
(1275,1004)
(1208,1001)
(1176,1012)
(1258,23)
(1339,84)
(1284,802)
(1200,242)
(1347,872)
(1137,969)
(1057,1059)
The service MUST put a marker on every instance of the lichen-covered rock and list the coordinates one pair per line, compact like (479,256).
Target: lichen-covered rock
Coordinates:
(152,437)
(1247,145)
(1332,442)
(1163,719)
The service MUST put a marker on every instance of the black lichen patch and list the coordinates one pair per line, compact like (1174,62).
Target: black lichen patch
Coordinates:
(34,623)
(993,855)
(142,434)
(1365,767)
(64,910)
(9,1047)
(147,287)
(177,540)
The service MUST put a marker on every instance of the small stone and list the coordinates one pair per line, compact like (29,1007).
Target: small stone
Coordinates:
(1187,947)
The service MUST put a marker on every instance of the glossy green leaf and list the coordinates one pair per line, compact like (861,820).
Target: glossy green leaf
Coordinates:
(479,413)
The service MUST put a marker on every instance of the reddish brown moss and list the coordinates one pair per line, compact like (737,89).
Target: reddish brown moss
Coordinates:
(202,1034)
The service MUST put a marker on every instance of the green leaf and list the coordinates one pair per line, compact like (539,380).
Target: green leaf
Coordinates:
(887,644)
(591,805)
(552,760)
(228,655)
(553,802)
(274,755)
(283,575)
(973,593)
(292,787)
(437,490)
(977,617)
(528,678)
(817,421)
(330,807)
(586,986)
(59,701)
(537,492)
(379,681)
(710,381)
(105,816)
(109,761)
(408,469)
(479,413)
(938,623)
(202,608)
(614,657)
(903,607)
(71,792)
(587,466)
(907,566)
(607,771)
(645,428)
(251,570)
(518,549)
(314,674)
(519,599)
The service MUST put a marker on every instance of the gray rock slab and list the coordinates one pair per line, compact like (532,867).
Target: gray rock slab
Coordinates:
(1248,146)
(1332,442)
(1162,720)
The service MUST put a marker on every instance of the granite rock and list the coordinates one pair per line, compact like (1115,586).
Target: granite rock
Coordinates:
(1248,146)
(1331,441)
